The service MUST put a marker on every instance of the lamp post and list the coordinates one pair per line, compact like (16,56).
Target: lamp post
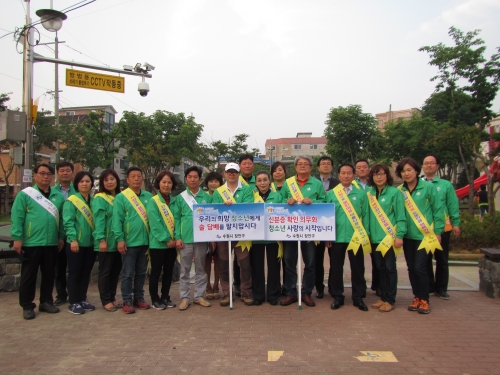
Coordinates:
(52,21)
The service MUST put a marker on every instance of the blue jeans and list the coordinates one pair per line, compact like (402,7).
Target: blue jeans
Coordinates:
(135,264)
(291,253)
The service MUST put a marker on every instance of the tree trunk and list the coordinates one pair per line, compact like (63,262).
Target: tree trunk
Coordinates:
(471,185)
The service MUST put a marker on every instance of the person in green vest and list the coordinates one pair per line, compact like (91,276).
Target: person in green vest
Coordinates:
(189,250)
(79,225)
(301,189)
(352,236)
(38,234)
(162,251)
(425,224)
(65,174)
(131,230)
(236,193)
(449,201)
(213,181)
(387,223)
(110,261)
(265,249)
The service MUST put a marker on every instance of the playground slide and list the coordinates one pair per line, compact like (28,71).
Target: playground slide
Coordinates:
(464,191)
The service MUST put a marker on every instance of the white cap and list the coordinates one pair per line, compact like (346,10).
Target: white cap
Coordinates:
(234,166)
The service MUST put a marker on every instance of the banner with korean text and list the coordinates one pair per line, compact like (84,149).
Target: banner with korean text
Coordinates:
(272,222)
(237,222)
(300,222)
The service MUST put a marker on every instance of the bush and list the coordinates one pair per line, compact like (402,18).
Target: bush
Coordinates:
(475,234)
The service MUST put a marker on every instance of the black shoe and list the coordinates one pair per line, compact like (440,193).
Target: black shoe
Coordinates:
(273,302)
(29,314)
(360,305)
(320,294)
(257,302)
(442,295)
(337,304)
(48,308)
(60,301)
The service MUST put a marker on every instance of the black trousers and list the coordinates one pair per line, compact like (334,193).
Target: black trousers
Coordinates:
(61,267)
(257,255)
(336,277)
(43,257)
(110,266)
(439,283)
(375,274)
(79,268)
(417,261)
(236,272)
(387,272)
(319,279)
(161,259)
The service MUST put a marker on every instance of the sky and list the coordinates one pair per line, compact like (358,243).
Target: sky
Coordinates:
(268,68)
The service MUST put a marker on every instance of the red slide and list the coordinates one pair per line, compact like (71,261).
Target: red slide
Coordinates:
(464,191)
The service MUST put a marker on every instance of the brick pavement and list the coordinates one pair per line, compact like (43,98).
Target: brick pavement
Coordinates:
(460,336)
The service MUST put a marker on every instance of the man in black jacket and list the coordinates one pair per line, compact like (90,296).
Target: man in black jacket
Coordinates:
(325,168)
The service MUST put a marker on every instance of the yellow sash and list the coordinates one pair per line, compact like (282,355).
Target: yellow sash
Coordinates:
(108,198)
(242,180)
(83,208)
(166,214)
(430,241)
(257,198)
(138,206)
(273,187)
(226,194)
(385,223)
(360,237)
(294,189)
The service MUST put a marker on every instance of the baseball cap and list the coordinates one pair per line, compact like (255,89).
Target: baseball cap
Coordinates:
(230,166)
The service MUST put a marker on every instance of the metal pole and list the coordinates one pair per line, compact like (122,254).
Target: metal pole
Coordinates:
(56,98)
(299,274)
(27,92)
(230,277)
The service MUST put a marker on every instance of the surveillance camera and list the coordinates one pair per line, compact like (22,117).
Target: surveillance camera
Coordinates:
(149,66)
(143,88)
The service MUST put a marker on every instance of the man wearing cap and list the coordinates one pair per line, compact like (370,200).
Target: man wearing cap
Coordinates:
(304,189)
(233,192)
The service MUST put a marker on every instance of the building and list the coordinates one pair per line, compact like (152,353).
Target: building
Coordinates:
(286,149)
(385,117)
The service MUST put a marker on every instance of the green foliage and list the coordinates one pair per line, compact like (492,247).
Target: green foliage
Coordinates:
(475,234)
(349,132)
(93,142)
(4,98)
(159,141)
(231,151)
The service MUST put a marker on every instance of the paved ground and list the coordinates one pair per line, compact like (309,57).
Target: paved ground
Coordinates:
(460,336)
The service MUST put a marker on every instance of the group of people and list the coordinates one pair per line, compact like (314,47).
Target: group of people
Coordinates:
(61,226)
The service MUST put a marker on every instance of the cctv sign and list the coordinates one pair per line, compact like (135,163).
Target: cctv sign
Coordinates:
(87,80)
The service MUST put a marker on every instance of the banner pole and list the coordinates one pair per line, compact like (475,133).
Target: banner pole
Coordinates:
(230,277)
(299,274)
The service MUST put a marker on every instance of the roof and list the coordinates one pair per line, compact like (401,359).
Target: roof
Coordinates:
(89,107)
(296,141)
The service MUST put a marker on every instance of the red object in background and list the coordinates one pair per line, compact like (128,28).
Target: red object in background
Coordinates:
(464,191)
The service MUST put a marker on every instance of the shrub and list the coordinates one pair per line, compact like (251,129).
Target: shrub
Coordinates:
(475,234)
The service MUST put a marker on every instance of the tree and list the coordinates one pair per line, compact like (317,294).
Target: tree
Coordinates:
(8,168)
(159,141)
(465,63)
(92,142)
(230,152)
(348,133)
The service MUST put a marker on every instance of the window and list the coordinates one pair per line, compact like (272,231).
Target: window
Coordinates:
(297,147)
(123,164)
(272,148)
(313,147)
(70,113)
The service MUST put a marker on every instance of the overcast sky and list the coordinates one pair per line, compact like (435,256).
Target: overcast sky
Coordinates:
(267,68)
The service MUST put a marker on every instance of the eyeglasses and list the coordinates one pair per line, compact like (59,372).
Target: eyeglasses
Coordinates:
(303,164)
(44,174)
(231,172)
(381,174)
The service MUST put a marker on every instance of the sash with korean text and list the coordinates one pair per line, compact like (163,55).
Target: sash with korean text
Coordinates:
(166,214)
(360,237)
(42,201)
(226,195)
(294,189)
(385,223)
(138,206)
(430,242)
(83,208)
